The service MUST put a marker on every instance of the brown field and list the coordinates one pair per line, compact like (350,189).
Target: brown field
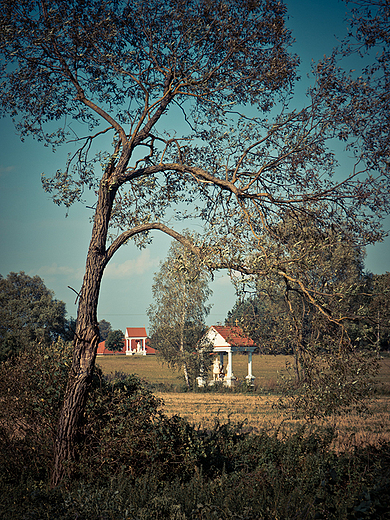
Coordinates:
(257,412)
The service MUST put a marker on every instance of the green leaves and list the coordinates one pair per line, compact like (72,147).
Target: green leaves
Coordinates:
(28,312)
(115,340)
(180,291)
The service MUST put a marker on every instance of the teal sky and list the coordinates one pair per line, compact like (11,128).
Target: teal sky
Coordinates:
(38,238)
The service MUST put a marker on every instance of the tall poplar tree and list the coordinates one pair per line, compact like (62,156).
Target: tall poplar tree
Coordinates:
(177,319)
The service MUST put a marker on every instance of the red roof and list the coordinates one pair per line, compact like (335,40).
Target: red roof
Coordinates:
(150,350)
(136,332)
(234,336)
(103,351)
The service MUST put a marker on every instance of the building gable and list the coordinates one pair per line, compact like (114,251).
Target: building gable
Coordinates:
(136,332)
(225,336)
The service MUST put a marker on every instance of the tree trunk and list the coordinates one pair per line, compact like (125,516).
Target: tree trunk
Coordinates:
(182,327)
(186,376)
(85,341)
(185,367)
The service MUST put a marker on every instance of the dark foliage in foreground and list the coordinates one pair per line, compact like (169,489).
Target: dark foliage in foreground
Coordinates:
(136,463)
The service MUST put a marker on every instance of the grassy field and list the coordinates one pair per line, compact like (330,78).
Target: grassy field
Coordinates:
(146,367)
(255,410)
(258,413)
(265,368)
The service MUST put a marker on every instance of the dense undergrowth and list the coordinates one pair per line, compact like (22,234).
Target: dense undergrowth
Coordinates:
(133,462)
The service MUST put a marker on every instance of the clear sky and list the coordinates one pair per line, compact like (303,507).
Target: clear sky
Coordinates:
(38,238)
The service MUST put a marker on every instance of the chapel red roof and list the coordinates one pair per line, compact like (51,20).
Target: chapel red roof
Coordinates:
(136,332)
(235,336)
(150,350)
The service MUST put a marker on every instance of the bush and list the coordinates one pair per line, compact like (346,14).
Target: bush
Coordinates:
(135,463)
(31,392)
(295,478)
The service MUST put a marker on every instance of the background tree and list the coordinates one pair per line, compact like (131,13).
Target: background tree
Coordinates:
(177,319)
(380,310)
(115,340)
(372,331)
(320,326)
(104,329)
(238,155)
(29,313)
(261,312)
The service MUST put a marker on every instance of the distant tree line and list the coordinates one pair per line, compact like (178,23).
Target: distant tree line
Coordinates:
(30,313)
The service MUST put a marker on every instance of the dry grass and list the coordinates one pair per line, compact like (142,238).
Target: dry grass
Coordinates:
(265,368)
(256,411)
(204,408)
(146,367)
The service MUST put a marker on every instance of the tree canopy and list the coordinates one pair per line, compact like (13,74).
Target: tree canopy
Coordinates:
(115,340)
(121,68)
(192,104)
(29,313)
(104,329)
(177,318)
(334,366)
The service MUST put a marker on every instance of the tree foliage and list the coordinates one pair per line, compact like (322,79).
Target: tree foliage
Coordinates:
(177,319)
(29,313)
(379,309)
(115,340)
(104,329)
(372,330)
(322,327)
(236,158)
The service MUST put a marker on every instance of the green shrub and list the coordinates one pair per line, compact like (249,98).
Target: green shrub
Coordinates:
(135,463)
(31,392)
(293,478)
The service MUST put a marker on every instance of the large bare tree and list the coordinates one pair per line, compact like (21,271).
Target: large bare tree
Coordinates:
(190,98)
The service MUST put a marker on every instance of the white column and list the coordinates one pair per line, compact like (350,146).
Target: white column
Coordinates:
(229,375)
(250,376)
(250,364)
(230,367)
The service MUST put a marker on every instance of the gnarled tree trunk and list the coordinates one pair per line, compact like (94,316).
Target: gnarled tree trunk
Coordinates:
(85,341)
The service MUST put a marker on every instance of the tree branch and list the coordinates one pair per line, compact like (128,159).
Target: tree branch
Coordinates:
(119,241)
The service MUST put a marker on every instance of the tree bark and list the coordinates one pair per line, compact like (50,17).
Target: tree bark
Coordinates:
(186,376)
(185,367)
(182,327)
(85,341)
